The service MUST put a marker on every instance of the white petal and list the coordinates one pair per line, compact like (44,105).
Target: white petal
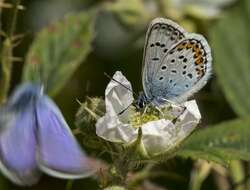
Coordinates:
(112,130)
(157,136)
(118,97)
(162,135)
(192,107)
(113,126)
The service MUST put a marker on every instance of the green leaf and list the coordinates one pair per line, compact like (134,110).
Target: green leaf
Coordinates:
(222,143)
(231,48)
(58,50)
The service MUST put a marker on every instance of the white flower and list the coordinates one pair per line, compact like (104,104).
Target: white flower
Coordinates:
(161,130)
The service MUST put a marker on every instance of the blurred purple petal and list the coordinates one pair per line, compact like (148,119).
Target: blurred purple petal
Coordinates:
(17,139)
(59,153)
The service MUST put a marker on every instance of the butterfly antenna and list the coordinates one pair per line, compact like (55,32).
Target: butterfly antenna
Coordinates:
(111,78)
(121,112)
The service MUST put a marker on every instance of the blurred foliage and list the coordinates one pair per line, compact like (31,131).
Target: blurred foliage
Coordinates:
(203,9)
(58,50)
(130,12)
(230,43)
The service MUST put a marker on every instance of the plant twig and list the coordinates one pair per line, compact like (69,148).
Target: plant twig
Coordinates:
(139,177)
(10,6)
(14,18)
(69,185)
(7,56)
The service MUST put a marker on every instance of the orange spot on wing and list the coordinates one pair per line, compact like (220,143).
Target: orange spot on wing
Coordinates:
(199,60)
(189,45)
(195,49)
(181,47)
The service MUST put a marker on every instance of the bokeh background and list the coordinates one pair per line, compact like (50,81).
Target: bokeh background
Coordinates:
(119,30)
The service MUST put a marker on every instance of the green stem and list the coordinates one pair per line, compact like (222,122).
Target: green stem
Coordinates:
(199,174)
(1,2)
(6,70)
(6,57)
(69,185)
(14,18)
(237,173)
(141,176)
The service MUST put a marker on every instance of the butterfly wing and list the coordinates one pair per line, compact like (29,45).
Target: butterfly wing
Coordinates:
(161,35)
(183,71)
(59,153)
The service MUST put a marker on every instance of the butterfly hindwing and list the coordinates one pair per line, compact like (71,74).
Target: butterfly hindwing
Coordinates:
(161,36)
(184,69)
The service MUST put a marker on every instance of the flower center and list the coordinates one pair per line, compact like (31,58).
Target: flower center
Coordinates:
(137,119)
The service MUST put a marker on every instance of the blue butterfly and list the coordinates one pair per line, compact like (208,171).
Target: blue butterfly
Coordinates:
(176,64)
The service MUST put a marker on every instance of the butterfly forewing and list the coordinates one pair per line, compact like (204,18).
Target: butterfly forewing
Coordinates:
(161,36)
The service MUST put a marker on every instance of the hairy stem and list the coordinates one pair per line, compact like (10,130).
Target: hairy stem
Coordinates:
(5,70)
(12,27)
(6,56)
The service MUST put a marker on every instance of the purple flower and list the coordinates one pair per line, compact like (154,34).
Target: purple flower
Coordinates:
(34,137)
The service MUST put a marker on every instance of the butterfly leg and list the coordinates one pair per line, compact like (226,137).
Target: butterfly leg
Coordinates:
(145,109)
(173,103)
(159,109)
